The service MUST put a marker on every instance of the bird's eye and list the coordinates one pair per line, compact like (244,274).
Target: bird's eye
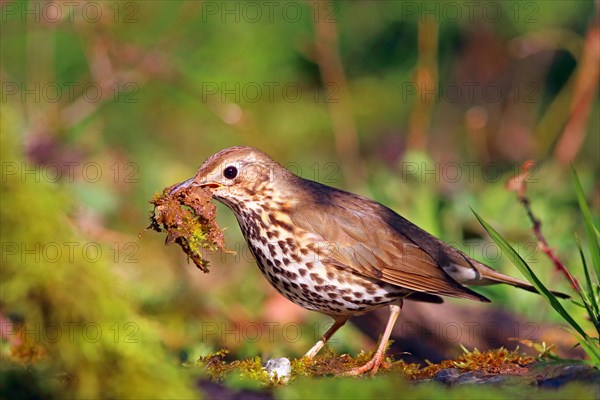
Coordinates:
(230,172)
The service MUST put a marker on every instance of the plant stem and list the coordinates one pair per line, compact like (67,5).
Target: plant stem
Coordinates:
(543,243)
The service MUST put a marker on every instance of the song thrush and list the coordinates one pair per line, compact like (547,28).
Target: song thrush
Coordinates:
(335,252)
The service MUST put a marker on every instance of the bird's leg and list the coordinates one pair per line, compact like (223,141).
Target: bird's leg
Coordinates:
(375,362)
(338,323)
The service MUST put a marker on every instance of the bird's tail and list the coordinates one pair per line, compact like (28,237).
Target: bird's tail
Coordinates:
(489,276)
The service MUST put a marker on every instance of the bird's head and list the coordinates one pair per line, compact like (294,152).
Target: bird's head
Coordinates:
(238,174)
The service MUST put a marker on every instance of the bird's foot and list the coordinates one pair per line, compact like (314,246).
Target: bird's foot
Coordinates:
(371,367)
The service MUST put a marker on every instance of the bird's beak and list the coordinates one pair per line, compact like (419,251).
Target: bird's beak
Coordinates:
(182,185)
(194,182)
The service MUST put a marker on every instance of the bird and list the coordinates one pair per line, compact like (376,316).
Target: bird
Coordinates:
(336,252)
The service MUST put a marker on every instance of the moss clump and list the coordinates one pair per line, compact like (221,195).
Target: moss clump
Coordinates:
(188,217)
(217,369)
(328,363)
(498,361)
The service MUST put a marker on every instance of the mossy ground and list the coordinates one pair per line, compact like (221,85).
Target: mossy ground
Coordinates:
(500,361)
(318,378)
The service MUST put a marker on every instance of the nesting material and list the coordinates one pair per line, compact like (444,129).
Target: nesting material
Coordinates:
(188,217)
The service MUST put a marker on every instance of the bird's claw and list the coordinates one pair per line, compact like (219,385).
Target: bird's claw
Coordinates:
(371,367)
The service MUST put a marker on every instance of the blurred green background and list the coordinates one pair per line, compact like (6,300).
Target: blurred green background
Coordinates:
(427,107)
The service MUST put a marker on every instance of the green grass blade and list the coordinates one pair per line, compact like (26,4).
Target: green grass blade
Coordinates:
(592,350)
(518,261)
(590,300)
(590,229)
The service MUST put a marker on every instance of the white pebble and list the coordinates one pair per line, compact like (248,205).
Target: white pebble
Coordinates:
(280,367)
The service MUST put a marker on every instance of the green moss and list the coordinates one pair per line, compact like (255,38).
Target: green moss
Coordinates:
(72,327)
(239,373)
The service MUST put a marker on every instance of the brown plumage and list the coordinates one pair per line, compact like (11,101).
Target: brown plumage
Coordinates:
(333,251)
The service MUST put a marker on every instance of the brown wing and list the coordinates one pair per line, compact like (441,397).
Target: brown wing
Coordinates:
(361,235)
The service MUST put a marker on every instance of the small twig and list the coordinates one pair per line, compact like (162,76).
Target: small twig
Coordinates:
(518,185)
(543,244)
